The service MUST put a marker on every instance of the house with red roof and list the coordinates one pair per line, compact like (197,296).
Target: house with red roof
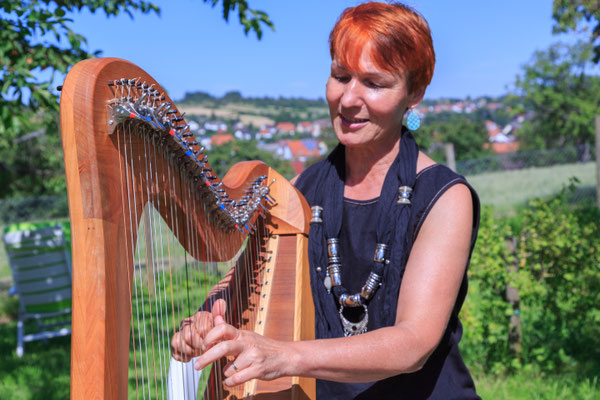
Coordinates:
(299,151)
(319,125)
(221,138)
(286,128)
(304,127)
(500,140)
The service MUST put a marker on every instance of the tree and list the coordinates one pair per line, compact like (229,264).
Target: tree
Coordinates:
(36,42)
(468,135)
(221,158)
(562,94)
(569,14)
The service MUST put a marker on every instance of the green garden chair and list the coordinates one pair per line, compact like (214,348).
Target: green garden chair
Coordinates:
(40,262)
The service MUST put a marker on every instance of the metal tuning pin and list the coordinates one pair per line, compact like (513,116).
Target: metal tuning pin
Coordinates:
(317,214)
(156,119)
(404,195)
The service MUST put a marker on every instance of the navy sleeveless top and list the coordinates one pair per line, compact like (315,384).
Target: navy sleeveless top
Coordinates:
(444,375)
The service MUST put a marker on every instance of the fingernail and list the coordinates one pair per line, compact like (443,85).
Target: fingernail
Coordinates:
(203,347)
(197,365)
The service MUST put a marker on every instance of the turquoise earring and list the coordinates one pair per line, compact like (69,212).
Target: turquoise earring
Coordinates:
(413,121)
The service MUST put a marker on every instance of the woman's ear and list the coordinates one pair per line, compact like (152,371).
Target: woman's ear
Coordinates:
(416,98)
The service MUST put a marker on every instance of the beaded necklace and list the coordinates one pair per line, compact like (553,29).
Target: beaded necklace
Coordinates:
(393,214)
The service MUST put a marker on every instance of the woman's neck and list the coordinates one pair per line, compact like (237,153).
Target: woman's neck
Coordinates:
(366,169)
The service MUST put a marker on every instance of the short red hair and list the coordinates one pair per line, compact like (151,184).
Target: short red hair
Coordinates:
(400,38)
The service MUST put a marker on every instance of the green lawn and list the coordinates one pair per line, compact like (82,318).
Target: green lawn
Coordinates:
(506,189)
(533,386)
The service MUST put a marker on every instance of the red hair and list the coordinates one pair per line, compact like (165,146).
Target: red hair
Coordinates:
(399,36)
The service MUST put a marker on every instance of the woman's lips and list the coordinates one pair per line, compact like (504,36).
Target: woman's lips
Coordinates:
(352,122)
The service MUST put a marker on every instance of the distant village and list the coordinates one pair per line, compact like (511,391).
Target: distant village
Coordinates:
(302,141)
(501,139)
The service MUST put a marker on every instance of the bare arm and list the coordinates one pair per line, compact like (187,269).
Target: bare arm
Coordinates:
(427,295)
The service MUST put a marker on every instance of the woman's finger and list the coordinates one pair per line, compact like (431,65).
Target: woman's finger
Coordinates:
(202,324)
(218,334)
(242,376)
(220,350)
(180,350)
(218,311)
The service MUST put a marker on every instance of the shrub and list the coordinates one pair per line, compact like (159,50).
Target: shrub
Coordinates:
(554,263)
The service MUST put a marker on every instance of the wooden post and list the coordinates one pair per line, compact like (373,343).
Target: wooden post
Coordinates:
(598,160)
(515,333)
(450,159)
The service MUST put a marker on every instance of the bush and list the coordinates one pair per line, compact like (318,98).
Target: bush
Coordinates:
(555,266)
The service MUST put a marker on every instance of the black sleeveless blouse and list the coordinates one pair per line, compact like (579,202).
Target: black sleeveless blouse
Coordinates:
(444,375)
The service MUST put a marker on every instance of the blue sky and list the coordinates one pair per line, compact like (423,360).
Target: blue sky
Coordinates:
(480,45)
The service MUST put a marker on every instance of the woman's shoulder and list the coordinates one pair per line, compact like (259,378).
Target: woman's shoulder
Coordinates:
(306,180)
(433,172)
(433,181)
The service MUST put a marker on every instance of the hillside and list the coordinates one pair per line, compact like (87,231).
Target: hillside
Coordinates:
(255,111)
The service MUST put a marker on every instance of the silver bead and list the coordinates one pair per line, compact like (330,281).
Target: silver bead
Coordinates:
(370,286)
(404,195)
(317,214)
(381,253)
(335,274)
(333,247)
(350,300)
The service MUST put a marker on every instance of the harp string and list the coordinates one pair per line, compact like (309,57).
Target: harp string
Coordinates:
(161,290)
(155,260)
(128,190)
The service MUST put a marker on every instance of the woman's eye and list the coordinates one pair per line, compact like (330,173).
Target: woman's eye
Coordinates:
(373,85)
(341,78)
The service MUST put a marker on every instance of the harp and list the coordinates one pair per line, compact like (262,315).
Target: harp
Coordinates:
(155,233)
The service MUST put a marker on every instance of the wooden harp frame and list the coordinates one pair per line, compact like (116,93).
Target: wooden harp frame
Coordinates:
(102,262)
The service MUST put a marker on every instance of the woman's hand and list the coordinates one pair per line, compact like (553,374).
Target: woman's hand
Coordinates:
(254,356)
(188,341)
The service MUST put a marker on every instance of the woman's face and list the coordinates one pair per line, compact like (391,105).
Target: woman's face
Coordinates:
(366,108)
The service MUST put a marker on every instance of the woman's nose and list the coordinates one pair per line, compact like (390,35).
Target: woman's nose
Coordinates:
(351,96)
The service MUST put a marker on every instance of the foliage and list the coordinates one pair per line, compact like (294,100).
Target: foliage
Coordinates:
(559,283)
(466,133)
(486,318)
(569,14)
(36,42)
(200,97)
(556,268)
(564,97)
(222,157)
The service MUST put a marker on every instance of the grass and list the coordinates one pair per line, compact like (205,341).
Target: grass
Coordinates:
(527,385)
(43,372)
(506,190)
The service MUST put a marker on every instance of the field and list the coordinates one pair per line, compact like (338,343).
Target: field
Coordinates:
(506,189)
(251,114)
(228,112)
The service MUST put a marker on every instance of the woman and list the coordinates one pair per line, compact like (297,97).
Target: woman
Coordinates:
(386,326)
